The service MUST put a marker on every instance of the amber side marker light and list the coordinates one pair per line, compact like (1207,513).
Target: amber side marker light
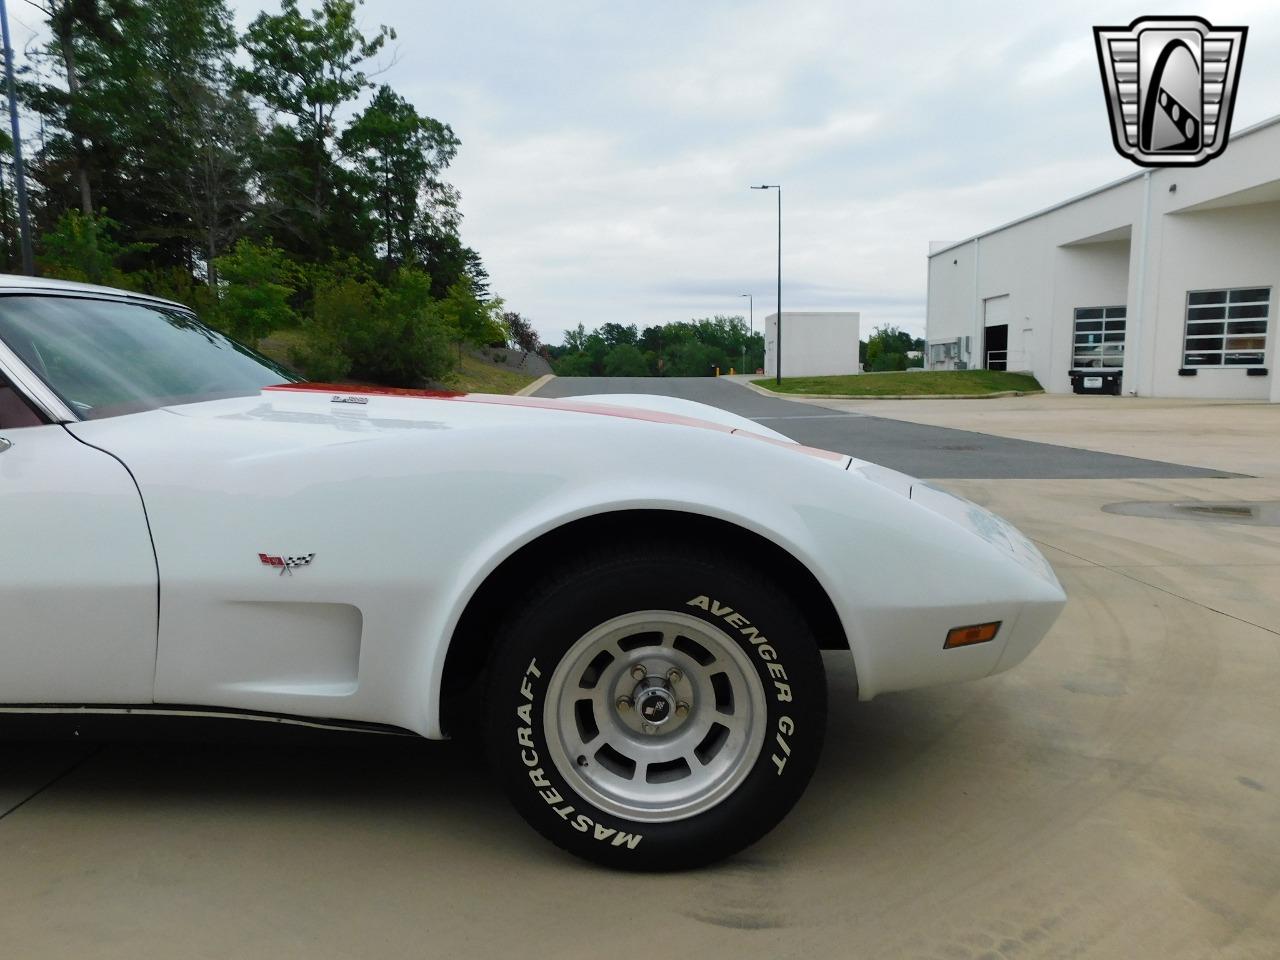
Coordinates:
(965,636)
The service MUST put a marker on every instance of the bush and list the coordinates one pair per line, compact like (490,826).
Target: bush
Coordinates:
(888,361)
(887,348)
(693,359)
(84,249)
(473,320)
(396,335)
(177,284)
(625,360)
(573,365)
(255,283)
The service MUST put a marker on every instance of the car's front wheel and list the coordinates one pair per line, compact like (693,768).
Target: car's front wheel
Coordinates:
(656,709)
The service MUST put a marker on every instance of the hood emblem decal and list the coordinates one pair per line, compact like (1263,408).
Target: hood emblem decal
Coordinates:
(285,564)
(348,398)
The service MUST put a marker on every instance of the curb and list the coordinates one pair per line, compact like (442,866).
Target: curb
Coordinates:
(535,386)
(873,396)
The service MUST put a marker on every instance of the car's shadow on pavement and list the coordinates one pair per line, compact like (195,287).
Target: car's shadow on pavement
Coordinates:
(193,770)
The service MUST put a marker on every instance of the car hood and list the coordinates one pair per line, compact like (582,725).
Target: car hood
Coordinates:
(458,409)
(327,413)
(300,416)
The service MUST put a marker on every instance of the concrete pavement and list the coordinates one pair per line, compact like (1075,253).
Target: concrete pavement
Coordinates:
(1221,435)
(1115,796)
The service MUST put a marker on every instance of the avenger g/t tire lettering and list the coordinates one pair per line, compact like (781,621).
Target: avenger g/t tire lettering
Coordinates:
(655,709)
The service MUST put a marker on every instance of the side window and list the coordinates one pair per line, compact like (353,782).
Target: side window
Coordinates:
(14,409)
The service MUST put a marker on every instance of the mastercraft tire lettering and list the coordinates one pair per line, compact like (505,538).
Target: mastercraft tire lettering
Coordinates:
(656,709)
(538,779)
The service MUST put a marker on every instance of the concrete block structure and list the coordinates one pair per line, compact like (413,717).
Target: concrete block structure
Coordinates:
(814,344)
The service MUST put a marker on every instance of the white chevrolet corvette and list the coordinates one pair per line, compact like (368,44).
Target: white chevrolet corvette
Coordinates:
(626,595)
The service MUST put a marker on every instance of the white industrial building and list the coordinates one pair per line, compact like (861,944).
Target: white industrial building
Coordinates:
(1160,284)
(815,344)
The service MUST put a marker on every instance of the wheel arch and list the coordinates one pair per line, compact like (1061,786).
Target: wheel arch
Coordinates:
(472,641)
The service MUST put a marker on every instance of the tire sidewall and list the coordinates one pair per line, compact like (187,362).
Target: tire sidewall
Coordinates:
(752,613)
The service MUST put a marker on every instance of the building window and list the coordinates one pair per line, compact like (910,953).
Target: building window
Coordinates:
(1098,337)
(1227,328)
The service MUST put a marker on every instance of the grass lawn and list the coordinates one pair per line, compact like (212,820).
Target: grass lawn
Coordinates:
(929,383)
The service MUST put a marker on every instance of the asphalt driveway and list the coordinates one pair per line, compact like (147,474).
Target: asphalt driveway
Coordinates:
(918,449)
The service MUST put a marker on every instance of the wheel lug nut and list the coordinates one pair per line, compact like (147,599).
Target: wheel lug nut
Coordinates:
(675,676)
(624,703)
(649,728)
(682,708)
(638,672)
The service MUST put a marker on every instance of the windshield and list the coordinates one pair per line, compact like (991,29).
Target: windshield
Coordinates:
(105,358)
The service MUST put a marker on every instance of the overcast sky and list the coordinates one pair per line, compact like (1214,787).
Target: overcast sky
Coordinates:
(607,147)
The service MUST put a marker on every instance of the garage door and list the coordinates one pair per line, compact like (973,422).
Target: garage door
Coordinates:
(995,333)
(995,311)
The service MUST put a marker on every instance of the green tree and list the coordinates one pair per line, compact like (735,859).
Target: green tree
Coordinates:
(521,330)
(146,124)
(177,284)
(395,335)
(473,320)
(597,348)
(575,339)
(399,156)
(689,348)
(305,69)
(692,358)
(576,364)
(615,334)
(83,249)
(185,169)
(625,360)
(887,348)
(73,24)
(351,235)
(257,282)
(211,189)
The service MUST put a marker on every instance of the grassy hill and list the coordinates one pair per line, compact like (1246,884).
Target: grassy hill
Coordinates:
(474,374)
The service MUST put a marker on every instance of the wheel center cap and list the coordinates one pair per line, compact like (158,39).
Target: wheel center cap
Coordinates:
(655,705)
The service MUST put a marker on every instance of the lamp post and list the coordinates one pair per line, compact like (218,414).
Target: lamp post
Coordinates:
(751,325)
(19,174)
(778,349)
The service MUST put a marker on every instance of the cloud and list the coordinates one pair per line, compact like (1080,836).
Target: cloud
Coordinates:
(606,149)
(1064,60)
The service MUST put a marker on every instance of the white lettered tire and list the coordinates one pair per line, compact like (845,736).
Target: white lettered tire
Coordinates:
(656,708)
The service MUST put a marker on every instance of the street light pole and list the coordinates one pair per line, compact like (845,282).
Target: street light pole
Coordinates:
(751,325)
(19,173)
(778,348)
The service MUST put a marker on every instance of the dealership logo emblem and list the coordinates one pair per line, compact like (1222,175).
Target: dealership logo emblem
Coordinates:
(1170,84)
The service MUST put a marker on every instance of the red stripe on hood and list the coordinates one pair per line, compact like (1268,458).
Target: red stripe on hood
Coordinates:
(548,403)
(350,388)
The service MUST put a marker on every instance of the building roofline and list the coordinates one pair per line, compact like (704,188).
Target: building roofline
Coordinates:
(1254,128)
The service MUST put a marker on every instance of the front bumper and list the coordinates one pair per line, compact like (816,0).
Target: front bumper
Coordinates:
(1001,577)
